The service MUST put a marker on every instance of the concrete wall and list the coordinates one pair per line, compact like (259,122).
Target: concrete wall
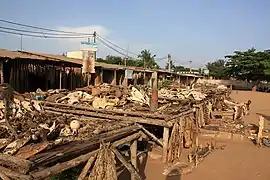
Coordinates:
(75,54)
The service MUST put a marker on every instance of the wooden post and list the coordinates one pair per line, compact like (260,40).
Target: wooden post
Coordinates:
(261,127)
(98,77)
(101,75)
(135,79)
(154,99)
(60,80)
(88,79)
(165,143)
(2,72)
(133,156)
(114,77)
(130,168)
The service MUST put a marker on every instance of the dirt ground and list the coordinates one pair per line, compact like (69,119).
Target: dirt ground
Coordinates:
(240,160)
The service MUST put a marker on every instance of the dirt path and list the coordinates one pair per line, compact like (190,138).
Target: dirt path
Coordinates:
(239,160)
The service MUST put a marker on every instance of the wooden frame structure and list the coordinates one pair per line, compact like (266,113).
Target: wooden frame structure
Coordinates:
(34,163)
(168,122)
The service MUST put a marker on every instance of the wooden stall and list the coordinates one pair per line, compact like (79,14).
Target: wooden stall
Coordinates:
(177,124)
(96,146)
(26,71)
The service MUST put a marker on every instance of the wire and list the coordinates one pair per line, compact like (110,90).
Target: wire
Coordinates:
(107,45)
(67,35)
(40,28)
(116,45)
(37,32)
(104,39)
(160,59)
(39,36)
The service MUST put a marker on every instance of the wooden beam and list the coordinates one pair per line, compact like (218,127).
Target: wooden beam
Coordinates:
(152,136)
(120,112)
(21,165)
(3,176)
(166,132)
(175,117)
(133,156)
(104,137)
(129,167)
(86,168)
(127,139)
(1,72)
(114,117)
(60,167)
(14,175)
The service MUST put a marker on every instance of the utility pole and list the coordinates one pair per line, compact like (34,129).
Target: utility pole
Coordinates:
(21,42)
(190,66)
(95,35)
(169,62)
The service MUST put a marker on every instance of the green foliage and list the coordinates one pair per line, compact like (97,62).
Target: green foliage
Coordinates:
(118,60)
(147,59)
(249,65)
(166,83)
(217,69)
(180,68)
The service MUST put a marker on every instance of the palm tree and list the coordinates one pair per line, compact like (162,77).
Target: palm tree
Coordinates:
(147,59)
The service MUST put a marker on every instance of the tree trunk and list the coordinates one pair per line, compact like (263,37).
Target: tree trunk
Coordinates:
(254,88)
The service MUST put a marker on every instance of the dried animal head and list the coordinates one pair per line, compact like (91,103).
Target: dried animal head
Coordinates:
(74,125)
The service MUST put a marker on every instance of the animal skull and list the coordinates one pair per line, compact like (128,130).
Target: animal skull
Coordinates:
(74,125)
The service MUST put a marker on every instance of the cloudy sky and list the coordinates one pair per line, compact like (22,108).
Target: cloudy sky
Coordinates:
(196,30)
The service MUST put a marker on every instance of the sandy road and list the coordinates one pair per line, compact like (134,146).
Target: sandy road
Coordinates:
(239,160)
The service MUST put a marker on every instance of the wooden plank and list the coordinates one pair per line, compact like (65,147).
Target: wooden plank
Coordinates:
(60,167)
(133,156)
(127,139)
(114,117)
(129,167)
(21,165)
(14,175)
(3,176)
(166,132)
(152,136)
(86,168)
(105,137)
(138,114)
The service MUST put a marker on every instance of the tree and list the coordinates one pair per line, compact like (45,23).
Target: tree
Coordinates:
(180,68)
(217,69)
(147,59)
(249,65)
(172,66)
(118,60)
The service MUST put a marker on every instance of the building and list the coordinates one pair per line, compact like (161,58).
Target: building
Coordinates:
(27,71)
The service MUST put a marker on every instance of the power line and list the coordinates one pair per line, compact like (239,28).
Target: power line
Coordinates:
(160,59)
(38,32)
(128,52)
(68,34)
(40,36)
(109,46)
(41,28)
(116,45)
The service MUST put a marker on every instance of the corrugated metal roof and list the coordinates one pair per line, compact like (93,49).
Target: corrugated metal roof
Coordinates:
(37,56)
(60,58)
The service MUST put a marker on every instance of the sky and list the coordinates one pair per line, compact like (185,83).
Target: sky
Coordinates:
(190,30)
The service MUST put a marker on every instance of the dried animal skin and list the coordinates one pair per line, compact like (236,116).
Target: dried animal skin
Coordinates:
(101,103)
(13,147)
(104,168)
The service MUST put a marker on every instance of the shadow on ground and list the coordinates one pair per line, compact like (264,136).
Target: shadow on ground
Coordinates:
(175,174)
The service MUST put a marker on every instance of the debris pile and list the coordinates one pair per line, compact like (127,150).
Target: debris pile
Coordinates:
(181,94)
(258,133)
